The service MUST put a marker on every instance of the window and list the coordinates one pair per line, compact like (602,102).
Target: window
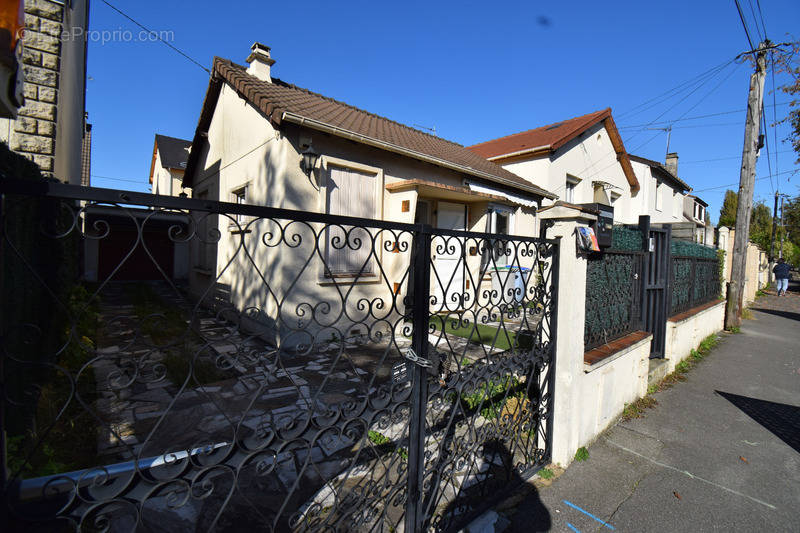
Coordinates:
(659,196)
(502,219)
(614,196)
(350,193)
(239,196)
(572,183)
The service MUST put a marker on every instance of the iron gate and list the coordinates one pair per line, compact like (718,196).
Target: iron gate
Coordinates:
(657,294)
(298,379)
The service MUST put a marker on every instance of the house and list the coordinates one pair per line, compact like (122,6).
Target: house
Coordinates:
(248,148)
(663,193)
(696,225)
(581,159)
(49,127)
(170,155)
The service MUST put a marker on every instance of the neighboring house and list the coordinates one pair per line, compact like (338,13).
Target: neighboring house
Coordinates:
(662,192)
(247,148)
(695,226)
(170,155)
(50,126)
(582,160)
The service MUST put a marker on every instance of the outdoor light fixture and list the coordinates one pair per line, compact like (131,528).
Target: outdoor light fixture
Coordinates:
(309,161)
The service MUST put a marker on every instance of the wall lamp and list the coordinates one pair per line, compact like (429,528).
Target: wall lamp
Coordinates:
(310,157)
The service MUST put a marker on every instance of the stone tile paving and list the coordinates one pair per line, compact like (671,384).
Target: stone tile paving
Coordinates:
(788,303)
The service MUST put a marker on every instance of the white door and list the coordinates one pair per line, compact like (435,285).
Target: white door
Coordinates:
(447,283)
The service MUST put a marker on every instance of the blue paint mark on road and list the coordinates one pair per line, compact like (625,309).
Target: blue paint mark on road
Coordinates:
(590,515)
(573,528)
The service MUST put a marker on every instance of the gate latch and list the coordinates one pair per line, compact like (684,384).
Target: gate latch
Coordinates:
(412,356)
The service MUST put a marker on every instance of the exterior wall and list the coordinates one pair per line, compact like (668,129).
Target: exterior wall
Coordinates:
(49,128)
(274,178)
(756,267)
(685,335)
(586,402)
(589,157)
(645,202)
(167,182)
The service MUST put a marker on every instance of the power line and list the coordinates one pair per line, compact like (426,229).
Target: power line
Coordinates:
(761,15)
(156,35)
(744,24)
(721,158)
(753,12)
(737,183)
(696,117)
(689,126)
(774,112)
(118,179)
(678,88)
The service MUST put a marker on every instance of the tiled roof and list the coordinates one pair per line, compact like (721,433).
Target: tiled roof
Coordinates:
(281,101)
(174,152)
(662,169)
(548,138)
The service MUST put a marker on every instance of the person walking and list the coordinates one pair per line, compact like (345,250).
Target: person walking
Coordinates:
(781,271)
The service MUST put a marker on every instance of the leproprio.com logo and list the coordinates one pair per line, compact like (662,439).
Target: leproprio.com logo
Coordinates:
(119,35)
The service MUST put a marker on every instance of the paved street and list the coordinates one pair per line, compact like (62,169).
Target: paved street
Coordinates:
(720,452)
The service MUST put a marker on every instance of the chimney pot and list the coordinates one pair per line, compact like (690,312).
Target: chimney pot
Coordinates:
(260,62)
(672,163)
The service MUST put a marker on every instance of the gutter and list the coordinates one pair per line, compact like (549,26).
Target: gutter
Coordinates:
(543,148)
(371,141)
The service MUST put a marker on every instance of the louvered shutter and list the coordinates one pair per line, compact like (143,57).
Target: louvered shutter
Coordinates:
(350,193)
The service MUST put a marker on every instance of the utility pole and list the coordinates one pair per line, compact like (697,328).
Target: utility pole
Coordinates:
(774,228)
(733,308)
(783,227)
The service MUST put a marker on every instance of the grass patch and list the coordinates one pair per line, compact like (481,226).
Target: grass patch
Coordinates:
(637,408)
(478,333)
(734,329)
(384,443)
(747,313)
(491,397)
(582,454)
(546,473)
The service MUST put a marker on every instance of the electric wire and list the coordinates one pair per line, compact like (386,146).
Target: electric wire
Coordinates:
(753,12)
(697,117)
(744,24)
(737,183)
(155,34)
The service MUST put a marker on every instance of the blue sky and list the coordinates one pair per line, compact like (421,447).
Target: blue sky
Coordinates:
(472,70)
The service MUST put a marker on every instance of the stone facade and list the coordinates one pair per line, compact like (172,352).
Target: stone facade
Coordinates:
(33,133)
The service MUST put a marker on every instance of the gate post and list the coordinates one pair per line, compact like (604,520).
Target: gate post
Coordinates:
(421,267)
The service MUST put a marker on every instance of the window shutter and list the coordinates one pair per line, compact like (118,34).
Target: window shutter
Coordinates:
(350,193)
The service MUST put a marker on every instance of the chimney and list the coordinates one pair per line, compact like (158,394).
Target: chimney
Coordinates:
(260,62)
(672,163)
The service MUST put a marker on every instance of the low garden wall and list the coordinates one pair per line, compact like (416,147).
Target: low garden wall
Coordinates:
(686,330)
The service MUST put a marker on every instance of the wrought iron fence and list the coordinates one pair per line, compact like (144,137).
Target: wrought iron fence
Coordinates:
(221,366)
(695,281)
(613,296)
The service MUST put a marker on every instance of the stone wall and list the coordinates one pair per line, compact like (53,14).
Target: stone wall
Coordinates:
(33,133)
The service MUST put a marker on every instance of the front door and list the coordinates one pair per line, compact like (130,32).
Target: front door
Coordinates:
(447,282)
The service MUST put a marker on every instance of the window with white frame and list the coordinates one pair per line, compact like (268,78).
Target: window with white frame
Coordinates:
(239,196)
(659,195)
(350,193)
(502,224)
(571,185)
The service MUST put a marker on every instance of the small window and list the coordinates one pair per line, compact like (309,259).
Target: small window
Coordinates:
(659,196)
(239,196)
(571,185)
(614,196)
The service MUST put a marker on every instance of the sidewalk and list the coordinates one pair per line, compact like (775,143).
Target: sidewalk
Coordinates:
(720,451)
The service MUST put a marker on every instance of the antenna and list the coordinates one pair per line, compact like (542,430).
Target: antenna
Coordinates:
(668,129)
(420,126)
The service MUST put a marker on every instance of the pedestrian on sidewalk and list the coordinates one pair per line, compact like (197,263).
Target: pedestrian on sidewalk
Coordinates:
(781,271)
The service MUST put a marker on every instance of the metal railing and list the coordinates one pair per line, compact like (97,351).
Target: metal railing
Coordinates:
(613,296)
(695,281)
(225,366)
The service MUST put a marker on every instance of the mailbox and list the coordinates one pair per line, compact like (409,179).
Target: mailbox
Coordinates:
(604,224)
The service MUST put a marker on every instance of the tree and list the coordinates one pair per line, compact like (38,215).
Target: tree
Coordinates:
(787,63)
(761,225)
(727,213)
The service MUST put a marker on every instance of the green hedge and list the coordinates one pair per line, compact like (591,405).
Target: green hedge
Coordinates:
(692,249)
(626,239)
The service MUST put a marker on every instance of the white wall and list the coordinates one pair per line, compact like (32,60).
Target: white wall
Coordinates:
(671,200)
(589,157)
(167,182)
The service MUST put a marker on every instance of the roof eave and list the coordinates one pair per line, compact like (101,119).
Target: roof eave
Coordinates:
(391,147)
